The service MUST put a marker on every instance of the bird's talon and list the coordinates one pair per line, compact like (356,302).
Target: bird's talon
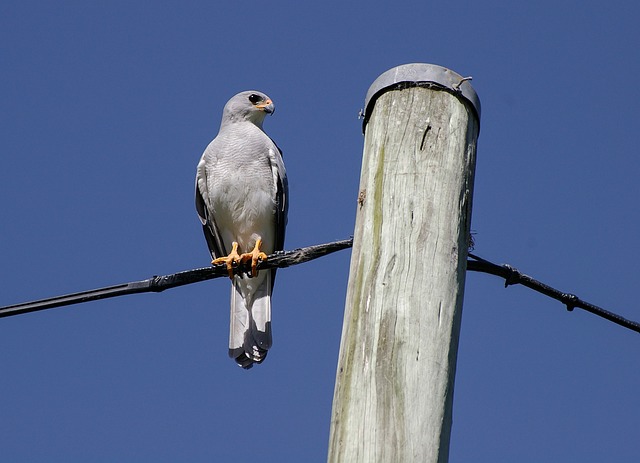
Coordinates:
(231,261)
(255,256)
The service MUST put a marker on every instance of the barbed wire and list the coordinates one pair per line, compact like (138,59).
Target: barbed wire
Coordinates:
(283,259)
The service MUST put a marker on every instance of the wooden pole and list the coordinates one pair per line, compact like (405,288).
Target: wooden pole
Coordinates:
(394,384)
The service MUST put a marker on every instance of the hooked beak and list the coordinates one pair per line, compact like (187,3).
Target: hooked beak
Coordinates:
(268,107)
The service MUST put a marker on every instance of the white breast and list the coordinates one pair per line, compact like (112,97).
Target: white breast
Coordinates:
(242,195)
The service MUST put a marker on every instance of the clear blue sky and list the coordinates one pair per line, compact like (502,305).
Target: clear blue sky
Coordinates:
(106,108)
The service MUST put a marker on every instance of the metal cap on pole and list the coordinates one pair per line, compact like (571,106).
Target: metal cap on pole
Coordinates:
(394,382)
(420,75)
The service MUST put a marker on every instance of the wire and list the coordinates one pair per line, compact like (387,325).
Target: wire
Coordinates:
(157,284)
(512,276)
(282,259)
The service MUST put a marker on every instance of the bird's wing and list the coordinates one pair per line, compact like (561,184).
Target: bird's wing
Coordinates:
(211,231)
(282,199)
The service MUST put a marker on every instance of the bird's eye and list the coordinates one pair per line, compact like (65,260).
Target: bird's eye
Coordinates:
(255,99)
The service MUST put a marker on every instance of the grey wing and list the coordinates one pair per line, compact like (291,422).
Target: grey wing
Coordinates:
(209,227)
(282,202)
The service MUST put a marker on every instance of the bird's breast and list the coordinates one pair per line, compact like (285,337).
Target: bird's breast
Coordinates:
(243,200)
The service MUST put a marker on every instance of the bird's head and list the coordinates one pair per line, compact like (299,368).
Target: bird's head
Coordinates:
(252,106)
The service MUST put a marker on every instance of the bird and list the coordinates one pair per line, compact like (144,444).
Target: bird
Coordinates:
(242,202)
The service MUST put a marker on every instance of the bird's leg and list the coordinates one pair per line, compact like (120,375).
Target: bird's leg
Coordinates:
(231,260)
(254,256)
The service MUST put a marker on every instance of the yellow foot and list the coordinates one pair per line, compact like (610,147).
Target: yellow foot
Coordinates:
(231,260)
(254,256)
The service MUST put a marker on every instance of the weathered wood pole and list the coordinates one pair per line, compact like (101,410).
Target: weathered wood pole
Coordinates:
(394,384)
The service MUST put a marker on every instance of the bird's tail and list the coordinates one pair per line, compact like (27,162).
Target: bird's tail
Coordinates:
(250,329)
